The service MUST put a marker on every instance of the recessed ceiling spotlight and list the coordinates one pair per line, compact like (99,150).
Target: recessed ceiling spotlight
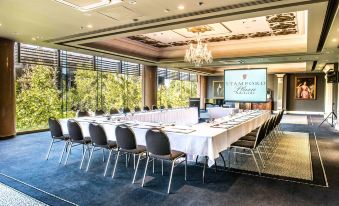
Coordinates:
(33,38)
(81,27)
(90,26)
(181,7)
(132,2)
(167,10)
(200,3)
(135,19)
(87,14)
(0,24)
(334,40)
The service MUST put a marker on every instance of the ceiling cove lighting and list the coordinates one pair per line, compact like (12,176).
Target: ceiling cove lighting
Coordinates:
(89,5)
(198,55)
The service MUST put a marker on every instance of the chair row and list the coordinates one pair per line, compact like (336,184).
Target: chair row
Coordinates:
(157,146)
(263,140)
(124,110)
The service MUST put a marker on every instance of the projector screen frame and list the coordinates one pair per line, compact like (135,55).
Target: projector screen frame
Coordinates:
(241,101)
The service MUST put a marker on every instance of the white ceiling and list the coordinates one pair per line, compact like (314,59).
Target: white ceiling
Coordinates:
(37,21)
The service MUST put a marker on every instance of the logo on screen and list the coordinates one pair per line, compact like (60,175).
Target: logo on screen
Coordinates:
(244,76)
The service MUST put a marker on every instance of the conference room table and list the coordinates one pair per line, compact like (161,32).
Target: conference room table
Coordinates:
(218,112)
(203,139)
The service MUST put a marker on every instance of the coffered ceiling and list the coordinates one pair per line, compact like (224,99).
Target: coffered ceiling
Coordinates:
(154,31)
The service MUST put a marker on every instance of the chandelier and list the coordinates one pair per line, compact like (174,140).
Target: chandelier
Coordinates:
(200,54)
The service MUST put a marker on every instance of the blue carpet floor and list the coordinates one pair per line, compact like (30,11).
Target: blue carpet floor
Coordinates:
(22,158)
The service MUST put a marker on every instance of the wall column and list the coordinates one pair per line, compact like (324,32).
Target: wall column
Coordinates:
(7,89)
(149,86)
(202,90)
(280,91)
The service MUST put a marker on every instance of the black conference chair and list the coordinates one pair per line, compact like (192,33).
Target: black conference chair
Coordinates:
(99,140)
(137,109)
(114,111)
(162,107)
(251,146)
(158,147)
(146,108)
(99,112)
(126,110)
(154,107)
(127,145)
(56,133)
(83,114)
(76,138)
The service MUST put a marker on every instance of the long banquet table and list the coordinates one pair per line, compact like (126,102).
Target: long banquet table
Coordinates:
(218,112)
(203,139)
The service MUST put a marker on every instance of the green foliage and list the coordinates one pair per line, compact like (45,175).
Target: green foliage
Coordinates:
(176,93)
(113,90)
(37,97)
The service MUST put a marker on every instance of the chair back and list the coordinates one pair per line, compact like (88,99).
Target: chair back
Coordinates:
(74,130)
(162,107)
(154,107)
(137,109)
(55,127)
(97,133)
(261,134)
(157,142)
(126,110)
(114,111)
(99,112)
(169,106)
(83,114)
(125,137)
(146,108)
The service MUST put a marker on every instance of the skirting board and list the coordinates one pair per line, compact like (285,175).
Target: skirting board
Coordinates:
(301,112)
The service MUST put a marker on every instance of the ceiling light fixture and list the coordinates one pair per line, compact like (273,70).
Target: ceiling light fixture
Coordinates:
(0,24)
(166,10)
(90,26)
(181,7)
(132,2)
(198,55)
(334,40)
(33,38)
(89,6)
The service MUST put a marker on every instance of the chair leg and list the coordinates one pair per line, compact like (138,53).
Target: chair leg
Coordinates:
(103,155)
(223,159)
(134,161)
(115,164)
(186,168)
(50,147)
(83,156)
(69,151)
(126,160)
(256,163)
(63,151)
(229,158)
(108,160)
(136,169)
(204,169)
(153,165)
(90,158)
(143,179)
(261,159)
(170,180)
(162,167)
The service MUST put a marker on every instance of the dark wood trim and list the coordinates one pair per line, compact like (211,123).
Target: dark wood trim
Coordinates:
(7,137)
(330,14)
(314,65)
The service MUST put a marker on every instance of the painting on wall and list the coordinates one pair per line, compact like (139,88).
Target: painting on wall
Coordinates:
(218,89)
(305,88)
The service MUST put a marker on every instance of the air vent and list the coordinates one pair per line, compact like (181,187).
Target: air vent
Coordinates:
(88,5)
(120,13)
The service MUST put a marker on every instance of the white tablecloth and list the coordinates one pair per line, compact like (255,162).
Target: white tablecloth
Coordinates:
(185,116)
(204,141)
(218,112)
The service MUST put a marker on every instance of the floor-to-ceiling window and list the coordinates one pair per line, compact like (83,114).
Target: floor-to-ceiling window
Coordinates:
(54,83)
(38,95)
(175,88)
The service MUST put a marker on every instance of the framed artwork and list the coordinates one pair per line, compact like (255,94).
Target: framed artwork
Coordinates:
(218,89)
(305,88)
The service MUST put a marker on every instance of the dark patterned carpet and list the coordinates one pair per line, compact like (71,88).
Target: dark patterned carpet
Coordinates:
(22,158)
